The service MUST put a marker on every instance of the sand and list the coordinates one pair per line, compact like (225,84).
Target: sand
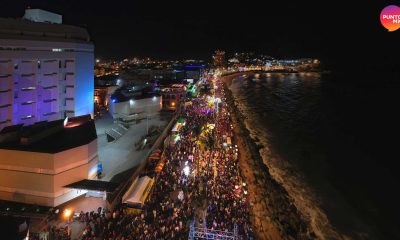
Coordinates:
(259,215)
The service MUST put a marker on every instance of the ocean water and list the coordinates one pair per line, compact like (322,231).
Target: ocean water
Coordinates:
(332,145)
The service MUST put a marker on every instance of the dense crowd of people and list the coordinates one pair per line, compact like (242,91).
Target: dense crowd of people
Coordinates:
(226,192)
(200,185)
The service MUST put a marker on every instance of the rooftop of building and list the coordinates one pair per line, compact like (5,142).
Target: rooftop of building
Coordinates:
(49,137)
(139,92)
(23,29)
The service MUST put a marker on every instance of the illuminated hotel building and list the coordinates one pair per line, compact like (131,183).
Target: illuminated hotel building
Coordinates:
(39,160)
(46,69)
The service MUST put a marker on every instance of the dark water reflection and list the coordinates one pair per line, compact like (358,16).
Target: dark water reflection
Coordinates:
(340,139)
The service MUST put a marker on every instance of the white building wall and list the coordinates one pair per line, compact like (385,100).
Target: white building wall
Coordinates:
(44,80)
(84,84)
(39,178)
(142,107)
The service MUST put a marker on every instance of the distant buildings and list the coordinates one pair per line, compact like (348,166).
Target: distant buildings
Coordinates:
(102,96)
(173,97)
(104,87)
(143,87)
(250,61)
(38,161)
(106,68)
(46,70)
(219,58)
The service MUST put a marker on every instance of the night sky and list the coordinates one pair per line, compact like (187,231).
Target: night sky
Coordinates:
(339,34)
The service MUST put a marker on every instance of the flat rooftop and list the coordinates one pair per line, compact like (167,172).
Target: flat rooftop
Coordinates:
(141,92)
(49,137)
(27,30)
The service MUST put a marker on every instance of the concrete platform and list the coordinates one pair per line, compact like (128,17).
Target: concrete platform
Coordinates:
(120,155)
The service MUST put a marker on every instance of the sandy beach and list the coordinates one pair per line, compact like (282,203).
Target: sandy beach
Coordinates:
(272,213)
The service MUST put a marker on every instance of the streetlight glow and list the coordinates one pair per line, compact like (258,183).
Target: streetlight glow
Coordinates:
(186,170)
(67,213)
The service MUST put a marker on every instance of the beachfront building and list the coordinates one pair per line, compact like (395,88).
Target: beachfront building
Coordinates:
(39,160)
(135,107)
(46,69)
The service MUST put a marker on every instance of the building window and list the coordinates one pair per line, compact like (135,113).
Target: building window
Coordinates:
(50,87)
(67,61)
(27,117)
(68,99)
(5,76)
(27,75)
(4,106)
(50,74)
(59,64)
(27,102)
(49,113)
(28,88)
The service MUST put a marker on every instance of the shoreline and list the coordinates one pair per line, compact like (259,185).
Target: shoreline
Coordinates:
(276,71)
(273,215)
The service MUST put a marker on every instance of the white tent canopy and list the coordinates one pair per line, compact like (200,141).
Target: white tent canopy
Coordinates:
(138,191)
(177,127)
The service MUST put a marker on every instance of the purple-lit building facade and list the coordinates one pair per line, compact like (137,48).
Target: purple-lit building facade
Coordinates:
(46,71)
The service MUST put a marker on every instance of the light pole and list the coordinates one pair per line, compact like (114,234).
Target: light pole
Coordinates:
(147,124)
(68,214)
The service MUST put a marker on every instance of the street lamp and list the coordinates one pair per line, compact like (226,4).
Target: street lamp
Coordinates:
(147,124)
(67,213)
(186,170)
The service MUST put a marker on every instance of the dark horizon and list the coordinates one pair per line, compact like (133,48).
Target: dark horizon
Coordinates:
(339,35)
(288,150)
